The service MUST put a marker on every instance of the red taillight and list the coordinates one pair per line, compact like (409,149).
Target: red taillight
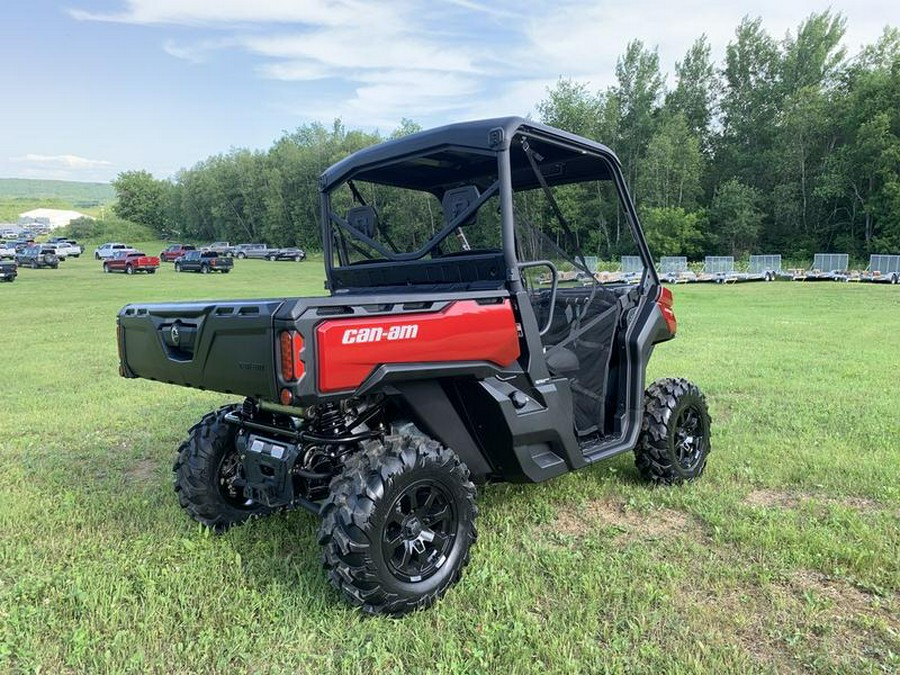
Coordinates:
(292,367)
(665,302)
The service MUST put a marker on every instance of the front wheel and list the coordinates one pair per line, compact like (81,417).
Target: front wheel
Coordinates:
(674,442)
(105,268)
(398,524)
(177,267)
(209,476)
(204,269)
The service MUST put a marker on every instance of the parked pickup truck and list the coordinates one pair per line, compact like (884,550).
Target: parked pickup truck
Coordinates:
(71,249)
(131,262)
(8,271)
(258,251)
(223,248)
(175,251)
(107,250)
(203,262)
(8,250)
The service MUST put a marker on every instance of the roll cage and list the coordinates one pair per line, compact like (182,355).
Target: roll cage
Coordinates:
(467,165)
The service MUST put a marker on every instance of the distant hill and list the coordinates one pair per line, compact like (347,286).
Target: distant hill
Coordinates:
(76,193)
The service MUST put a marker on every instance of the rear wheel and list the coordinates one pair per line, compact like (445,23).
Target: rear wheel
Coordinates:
(241,255)
(209,477)
(895,279)
(204,269)
(129,269)
(674,442)
(398,524)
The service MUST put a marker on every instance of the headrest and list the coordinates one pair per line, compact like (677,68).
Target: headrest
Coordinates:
(363,219)
(458,200)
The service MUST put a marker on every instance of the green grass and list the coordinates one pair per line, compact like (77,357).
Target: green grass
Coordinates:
(783,557)
(75,191)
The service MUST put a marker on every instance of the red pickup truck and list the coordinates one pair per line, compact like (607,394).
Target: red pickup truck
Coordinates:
(175,251)
(131,262)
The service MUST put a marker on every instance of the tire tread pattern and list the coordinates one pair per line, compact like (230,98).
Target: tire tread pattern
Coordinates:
(196,488)
(652,454)
(346,533)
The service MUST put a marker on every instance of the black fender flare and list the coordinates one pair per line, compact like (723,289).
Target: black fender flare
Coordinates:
(434,414)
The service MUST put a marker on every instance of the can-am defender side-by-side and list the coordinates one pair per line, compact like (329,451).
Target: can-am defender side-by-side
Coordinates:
(465,339)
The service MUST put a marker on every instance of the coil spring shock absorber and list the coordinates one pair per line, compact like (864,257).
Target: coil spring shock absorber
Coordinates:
(328,420)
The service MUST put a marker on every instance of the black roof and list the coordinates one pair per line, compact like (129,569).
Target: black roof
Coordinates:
(474,136)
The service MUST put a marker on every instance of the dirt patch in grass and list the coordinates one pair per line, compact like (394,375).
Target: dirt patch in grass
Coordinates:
(579,520)
(784,499)
(770,498)
(142,471)
(805,622)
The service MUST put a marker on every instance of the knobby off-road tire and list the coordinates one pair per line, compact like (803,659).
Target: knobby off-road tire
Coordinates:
(398,524)
(208,475)
(674,442)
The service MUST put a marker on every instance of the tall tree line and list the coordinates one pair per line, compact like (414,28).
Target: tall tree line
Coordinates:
(788,146)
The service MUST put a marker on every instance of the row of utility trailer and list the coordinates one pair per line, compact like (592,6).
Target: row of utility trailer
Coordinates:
(720,269)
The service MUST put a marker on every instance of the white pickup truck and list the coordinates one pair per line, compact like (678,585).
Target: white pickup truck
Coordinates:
(65,249)
(109,249)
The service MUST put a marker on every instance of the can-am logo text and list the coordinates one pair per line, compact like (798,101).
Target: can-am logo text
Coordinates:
(379,334)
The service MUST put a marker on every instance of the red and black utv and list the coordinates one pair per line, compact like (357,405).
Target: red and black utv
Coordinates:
(465,339)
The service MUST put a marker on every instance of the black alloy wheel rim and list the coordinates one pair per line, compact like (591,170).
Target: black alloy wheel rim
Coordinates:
(419,532)
(690,438)
(232,482)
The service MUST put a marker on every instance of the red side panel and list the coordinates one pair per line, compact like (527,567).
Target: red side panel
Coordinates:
(349,349)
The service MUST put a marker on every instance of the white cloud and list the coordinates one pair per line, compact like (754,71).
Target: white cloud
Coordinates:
(198,52)
(61,162)
(223,12)
(358,48)
(372,62)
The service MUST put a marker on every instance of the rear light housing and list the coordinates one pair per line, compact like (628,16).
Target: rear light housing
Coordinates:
(292,366)
(665,301)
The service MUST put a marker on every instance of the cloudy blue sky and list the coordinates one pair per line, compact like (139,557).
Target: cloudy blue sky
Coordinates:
(95,87)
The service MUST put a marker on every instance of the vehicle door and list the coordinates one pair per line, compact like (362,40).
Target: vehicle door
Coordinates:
(573,229)
(190,261)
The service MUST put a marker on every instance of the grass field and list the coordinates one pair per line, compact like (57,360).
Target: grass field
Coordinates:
(784,557)
(70,190)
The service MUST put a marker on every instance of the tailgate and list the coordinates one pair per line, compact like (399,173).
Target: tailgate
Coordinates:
(222,346)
